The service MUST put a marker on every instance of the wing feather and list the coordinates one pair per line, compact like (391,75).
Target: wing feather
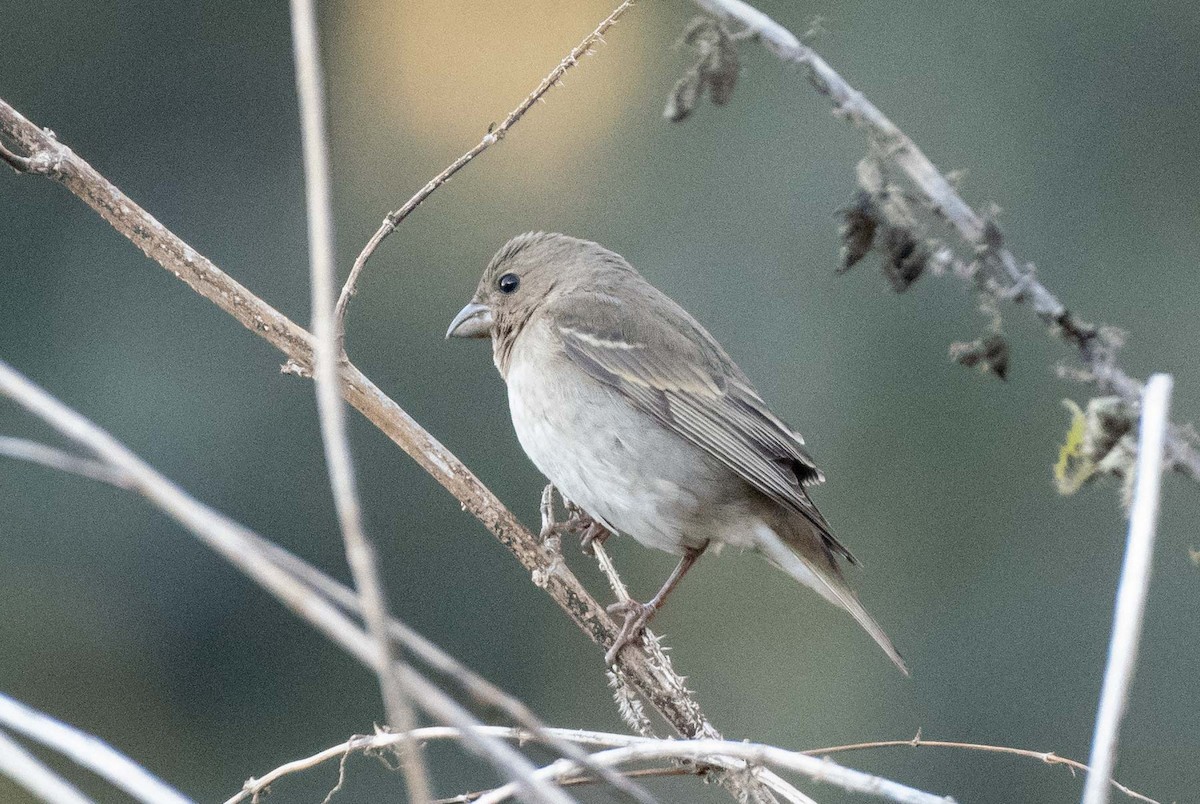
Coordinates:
(671,368)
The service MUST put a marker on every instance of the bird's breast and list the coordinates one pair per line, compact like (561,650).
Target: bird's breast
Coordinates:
(612,460)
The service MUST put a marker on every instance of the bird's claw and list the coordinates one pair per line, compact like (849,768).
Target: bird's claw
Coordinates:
(637,615)
(594,533)
(577,521)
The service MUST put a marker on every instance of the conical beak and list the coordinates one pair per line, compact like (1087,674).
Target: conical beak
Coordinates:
(472,321)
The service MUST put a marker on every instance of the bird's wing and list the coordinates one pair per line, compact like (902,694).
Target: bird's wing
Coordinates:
(665,363)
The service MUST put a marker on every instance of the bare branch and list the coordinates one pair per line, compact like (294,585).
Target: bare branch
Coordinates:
(627,749)
(718,752)
(26,770)
(1048,757)
(493,135)
(237,545)
(87,751)
(22,449)
(1134,585)
(648,671)
(360,553)
(1018,280)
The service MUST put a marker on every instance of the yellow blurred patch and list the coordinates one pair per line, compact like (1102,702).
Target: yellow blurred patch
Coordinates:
(1073,468)
(441,70)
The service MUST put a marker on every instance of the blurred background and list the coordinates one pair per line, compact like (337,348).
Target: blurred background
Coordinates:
(1077,119)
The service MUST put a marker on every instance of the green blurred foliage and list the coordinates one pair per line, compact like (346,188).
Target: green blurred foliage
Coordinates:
(1078,119)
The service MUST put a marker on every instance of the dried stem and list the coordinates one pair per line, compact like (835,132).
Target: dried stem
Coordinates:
(648,671)
(87,751)
(493,135)
(626,749)
(1048,757)
(1134,585)
(720,752)
(29,772)
(360,553)
(939,194)
(23,449)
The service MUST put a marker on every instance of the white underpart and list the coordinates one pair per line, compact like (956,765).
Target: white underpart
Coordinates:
(618,464)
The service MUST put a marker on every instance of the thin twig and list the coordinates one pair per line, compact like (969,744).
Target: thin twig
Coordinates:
(940,195)
(641,773)
(700,753)
(360,553)
(647,669)
(493,135)
(237,544)
(30,773)
(1048,757)
(716,751)
(16,162)
(22,449)
(1134,585)
(87,751)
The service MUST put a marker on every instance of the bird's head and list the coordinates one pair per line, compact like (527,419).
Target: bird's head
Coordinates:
(528,272)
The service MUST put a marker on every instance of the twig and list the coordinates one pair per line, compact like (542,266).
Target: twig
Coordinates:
(360,553)
(641,773)
(941,196)
(22,449)
(647,670)
(87,751)
(716,751)
(1048,757)
(17,163)
(1135,583)
(730,755)
(236,544)
(26,770)
(493,135)
(377,742)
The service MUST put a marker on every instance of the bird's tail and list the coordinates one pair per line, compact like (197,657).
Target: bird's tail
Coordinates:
(807,559)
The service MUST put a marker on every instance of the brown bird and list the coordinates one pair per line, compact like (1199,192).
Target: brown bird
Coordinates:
(639,417)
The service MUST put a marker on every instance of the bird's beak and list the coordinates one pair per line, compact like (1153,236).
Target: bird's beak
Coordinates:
(472,321)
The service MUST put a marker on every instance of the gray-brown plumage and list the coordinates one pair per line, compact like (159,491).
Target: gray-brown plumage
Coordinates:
(639,417)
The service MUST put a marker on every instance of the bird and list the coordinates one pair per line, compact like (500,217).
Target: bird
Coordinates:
(639,418)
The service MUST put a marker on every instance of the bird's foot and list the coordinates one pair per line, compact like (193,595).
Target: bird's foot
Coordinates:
(637,615)
(551,527)
(594,533)
(577,521)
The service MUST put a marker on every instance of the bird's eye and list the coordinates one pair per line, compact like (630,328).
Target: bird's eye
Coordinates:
(508,283)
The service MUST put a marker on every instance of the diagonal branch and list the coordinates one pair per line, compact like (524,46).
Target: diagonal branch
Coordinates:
(360,553)
(29,772)
(88,751)
(648,669)
(1018,280)
(493,135)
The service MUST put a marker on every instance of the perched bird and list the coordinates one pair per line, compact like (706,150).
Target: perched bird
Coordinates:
(639,417)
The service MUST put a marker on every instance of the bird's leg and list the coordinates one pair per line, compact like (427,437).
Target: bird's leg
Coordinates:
(595,533)
(637,615)
(592,531)
(550,526)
